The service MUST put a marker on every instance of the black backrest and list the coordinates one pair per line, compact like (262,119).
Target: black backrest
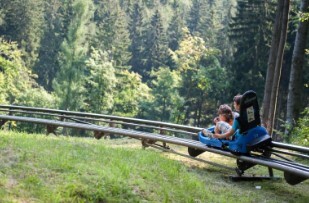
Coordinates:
(249,115)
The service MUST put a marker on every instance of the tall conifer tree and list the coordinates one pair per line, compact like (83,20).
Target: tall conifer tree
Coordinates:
(194,16)
(249,33)
(121,41)
(57,13)
(112,34)
(176,25)
(156,45)
(136,29)
(23,23)
(70,80)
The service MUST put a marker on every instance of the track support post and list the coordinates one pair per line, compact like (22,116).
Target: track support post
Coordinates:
(242,166)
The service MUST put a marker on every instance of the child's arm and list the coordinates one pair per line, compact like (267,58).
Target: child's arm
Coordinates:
(228,134)
(217,131)
(224,135)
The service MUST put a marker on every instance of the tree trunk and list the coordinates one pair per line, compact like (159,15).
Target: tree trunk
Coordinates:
(199,115)
(278,68)
(272,63)
(295,84)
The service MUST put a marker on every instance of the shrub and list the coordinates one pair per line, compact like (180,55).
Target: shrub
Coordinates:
(301,131)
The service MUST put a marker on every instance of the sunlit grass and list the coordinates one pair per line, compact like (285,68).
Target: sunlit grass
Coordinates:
(39,168)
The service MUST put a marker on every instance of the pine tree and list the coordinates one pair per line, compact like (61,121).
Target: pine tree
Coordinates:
(205,27)
(210,24)
(112,34)
(249,33)
(194,16)
(222,40)
(174,30)
(70,79)
(206,20)
(136,30)
(56,14)
(23,23)
(121,42)
(104,18)
(126,5)
(156,45)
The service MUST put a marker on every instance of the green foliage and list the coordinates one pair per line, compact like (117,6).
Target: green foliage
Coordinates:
(174,30)
(130,93)
(121,42)
(218,80)
(132,36)
(37,97)
(17,85)
(205,20)
(156,45)
(10,63)
(70,79)
(56,15)
(191,50)
(194,61)
(304,17)
(34,97)
(194,16)
(166,101)
(54,39)
(112,33)
(300,134)
(100,82)
(23,22)
(15,78)
(137,33)
(251,26)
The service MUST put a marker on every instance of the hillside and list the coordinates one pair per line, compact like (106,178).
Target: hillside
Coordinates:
(36,168)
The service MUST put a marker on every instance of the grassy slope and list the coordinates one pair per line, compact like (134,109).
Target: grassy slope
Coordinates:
(36,168)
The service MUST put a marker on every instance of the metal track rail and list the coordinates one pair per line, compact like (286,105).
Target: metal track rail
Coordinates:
(81,119)
(96,119)
(9,108)
(133,122)
(290,147)
(289,167)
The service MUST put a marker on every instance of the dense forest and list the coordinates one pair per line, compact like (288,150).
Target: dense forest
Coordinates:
(166,60)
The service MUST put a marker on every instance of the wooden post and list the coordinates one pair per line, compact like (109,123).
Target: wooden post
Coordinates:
(51,129)
(98,135)
(112,125)
(2,122)
(162,132)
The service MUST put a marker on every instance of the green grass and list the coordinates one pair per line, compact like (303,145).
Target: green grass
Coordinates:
(39,168)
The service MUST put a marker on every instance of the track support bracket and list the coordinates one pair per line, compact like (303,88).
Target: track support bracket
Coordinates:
(242,166)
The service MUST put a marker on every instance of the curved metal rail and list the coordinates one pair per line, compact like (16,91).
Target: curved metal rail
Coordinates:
(79,116)
(89,121)
(292,168)
(72,114)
